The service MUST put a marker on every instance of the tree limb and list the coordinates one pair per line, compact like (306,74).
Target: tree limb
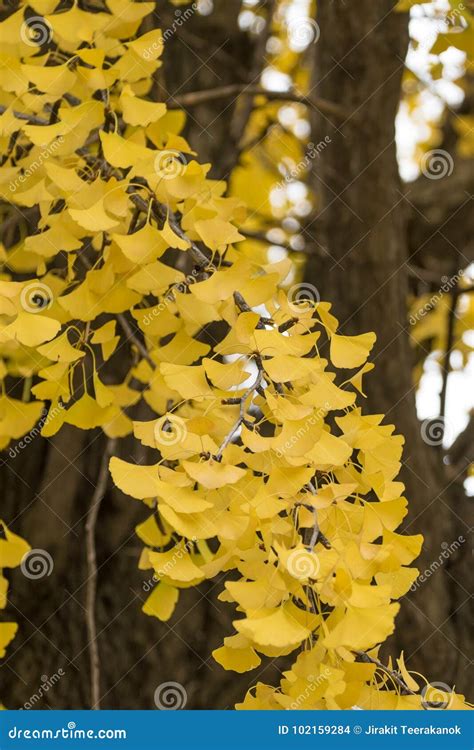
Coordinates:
(91,588)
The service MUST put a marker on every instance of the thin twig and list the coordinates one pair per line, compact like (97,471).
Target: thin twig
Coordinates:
(160,211)
(32,119)
(394,675)
(91,557)
(250,390)
(127,329)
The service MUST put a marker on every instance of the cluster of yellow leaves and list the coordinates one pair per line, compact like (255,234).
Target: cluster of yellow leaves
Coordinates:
(12,551)
(103,170)
(266,469)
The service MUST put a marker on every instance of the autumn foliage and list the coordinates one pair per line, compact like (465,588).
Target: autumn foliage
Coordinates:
(266,466)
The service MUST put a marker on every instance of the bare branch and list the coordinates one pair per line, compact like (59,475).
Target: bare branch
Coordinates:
(195,98)
(91,557)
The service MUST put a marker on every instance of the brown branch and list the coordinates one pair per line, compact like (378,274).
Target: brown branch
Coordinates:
(91,557)
(250,390)
(32,119)
(394,675)
(255,385)
(131,336)
(194,98)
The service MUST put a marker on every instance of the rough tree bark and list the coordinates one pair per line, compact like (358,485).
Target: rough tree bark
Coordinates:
(359,261)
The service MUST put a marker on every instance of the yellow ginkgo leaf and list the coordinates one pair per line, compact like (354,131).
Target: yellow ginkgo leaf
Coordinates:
(136,480)
(7,634)
(237,659)
(217,234)
(143,246)
(406,676)
(351,351)
(162,602)
(361,628)
(277,627)
(225,376)
(176,564)
(12,548)
(212,474)
(61,350)
(138,111)
(31,329)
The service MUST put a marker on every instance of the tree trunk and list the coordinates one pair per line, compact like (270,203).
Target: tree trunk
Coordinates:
(358,261)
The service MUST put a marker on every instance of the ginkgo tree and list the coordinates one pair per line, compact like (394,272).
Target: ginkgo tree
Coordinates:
(266,467)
